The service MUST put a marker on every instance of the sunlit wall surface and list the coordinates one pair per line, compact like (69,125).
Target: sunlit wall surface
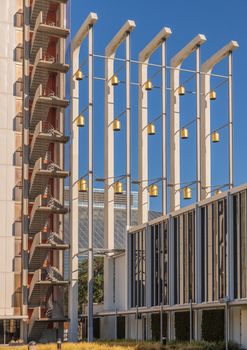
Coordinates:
(9,141)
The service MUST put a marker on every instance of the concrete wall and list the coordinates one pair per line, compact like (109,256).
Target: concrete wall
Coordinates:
(235,329)
(7,147)
(120,282)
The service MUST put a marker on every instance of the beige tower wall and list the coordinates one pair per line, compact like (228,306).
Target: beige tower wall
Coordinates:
(7,156)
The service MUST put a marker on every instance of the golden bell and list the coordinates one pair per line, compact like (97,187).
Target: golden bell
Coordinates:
(80,121)
(181,90)
(151,129)
(82,185)
(116,125)
(215,136)
(148,85)
(114,80)
(153,191)
(184,133)
(212,95)
(79,75)
(187,193)
(118,187)
(218,191)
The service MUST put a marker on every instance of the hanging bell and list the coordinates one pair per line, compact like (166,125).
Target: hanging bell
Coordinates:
(116,125)
(82,185)
(153,191)
(80,121)
(212,95)
(114,80)
(187,193)
(218,191)
(78,75)
(215,136)
(181,90)
(184,133)
(148,85)
(118,187)
(151,129)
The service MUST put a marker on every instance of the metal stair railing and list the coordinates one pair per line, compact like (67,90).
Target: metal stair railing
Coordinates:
(52,274)
(49,308)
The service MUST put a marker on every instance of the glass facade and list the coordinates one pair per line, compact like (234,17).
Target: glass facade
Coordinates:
(239,232)
(159,263)
(199,256)
(184,257)
(138,268)
(214,250)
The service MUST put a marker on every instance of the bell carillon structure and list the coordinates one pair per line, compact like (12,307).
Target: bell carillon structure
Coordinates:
(179,273)
(182,275)
(33,68)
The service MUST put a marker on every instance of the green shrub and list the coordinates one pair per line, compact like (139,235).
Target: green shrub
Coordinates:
(202,345)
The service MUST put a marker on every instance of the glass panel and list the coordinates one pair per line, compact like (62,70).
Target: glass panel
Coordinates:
(165,261)
(243,243)
(210,253)
(191,257)
(235,239)
(222,249)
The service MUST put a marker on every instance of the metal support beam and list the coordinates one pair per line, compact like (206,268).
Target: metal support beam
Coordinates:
(230,121)
(176,63)
(128,161)
(74,166)
(207,68)
(110,51)
(198,127)
(164,117)
(90,184)
(144,56)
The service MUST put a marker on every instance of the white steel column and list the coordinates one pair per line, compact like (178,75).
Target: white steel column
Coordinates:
(230,120)
(164,117)
(74,166)
(109,153)
(176,63)
(207,68)
(144,57)
(198,127)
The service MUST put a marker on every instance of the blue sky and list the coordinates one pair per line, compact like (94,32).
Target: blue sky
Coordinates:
(221,21)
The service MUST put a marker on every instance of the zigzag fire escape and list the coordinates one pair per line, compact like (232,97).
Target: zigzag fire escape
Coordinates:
(46,282)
